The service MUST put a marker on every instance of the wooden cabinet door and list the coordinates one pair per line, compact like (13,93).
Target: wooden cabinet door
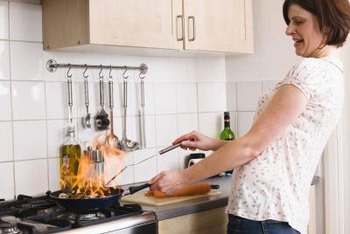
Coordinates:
(137,23)
(205,222)
(222,26)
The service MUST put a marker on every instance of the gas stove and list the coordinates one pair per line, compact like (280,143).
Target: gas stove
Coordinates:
(36,215)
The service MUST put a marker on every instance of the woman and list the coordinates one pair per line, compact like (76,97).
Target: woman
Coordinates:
(273,171)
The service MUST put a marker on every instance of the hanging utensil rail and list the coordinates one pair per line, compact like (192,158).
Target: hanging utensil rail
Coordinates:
(52,66)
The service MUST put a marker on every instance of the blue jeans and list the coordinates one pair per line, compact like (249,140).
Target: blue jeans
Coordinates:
(239,225)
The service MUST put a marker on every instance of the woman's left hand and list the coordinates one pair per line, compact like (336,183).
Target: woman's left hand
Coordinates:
(169,181)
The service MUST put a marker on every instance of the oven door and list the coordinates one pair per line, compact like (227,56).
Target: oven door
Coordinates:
(149,228)
(144,223)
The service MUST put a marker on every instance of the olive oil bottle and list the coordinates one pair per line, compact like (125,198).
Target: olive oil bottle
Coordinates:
(70,152)
(227,134)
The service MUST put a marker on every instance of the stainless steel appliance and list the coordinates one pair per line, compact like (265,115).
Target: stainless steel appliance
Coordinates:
(37,215)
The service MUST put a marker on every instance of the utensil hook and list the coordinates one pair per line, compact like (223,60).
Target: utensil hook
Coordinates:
(85,75)
(69,75)
(124,73)
(110,72)
(141,75)
(100,73)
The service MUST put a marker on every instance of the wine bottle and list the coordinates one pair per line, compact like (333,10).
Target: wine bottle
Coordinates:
(227,134)
(70,152)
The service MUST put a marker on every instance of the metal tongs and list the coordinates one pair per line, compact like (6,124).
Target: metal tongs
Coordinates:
(160,152)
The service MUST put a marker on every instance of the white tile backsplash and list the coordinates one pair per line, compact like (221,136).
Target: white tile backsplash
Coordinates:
(182,94)
(210,124)
(55,136)
(127,176)
(26,61)
(233,122)
(4,25)
(4,60)
(7,188)
(248,94)
(31,177)
(268,84)
(29,140)
(28,100)
(147,169)
(5,101)
(166,129)
(150,131)
(165,98)
(187,123)
(231,96)
(187,98)
(57,108)
(149,99)
(113,164)
(245,121)
(25,22)
(54,174)
(211,97)
(6,152)
(168,161)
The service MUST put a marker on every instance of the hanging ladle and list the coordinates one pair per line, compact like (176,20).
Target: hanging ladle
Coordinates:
(86,120)
(125,143)
(112,138)
(142,112)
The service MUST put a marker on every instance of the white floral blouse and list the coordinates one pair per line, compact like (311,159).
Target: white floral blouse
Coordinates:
(276,184)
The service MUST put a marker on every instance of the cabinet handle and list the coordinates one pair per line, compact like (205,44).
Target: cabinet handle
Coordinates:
(182,27)
(191,18)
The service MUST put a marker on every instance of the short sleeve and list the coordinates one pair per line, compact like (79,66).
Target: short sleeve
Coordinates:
(305,76)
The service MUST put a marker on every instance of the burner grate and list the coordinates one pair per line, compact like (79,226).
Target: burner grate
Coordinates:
(28,215)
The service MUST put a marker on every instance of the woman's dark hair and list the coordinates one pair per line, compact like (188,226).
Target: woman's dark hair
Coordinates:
(333,17)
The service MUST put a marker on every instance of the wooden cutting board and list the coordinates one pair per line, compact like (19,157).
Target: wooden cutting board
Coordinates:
(141,198)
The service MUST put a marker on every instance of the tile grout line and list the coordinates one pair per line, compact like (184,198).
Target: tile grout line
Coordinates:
(11,100)
(46,125)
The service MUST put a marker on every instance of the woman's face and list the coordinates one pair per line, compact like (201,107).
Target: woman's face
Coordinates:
(304,30)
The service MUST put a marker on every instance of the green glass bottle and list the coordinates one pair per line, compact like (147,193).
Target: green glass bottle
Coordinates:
(227,134)
(70,152)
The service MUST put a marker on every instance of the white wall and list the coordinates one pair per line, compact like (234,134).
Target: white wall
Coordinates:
(346,135)
(274,51)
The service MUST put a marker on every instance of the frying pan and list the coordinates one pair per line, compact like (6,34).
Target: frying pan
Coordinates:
(85,204)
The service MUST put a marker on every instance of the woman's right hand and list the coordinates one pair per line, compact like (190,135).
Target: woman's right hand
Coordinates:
(195,140)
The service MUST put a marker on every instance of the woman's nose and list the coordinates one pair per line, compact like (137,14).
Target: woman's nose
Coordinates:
(289,29)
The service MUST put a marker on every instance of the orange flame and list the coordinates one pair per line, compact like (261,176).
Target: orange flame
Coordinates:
(87,183)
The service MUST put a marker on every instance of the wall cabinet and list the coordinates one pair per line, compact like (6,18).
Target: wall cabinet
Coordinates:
(191,25)
(210,25)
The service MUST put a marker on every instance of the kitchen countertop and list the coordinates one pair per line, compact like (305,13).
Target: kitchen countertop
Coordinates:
(194,206)
(201,204)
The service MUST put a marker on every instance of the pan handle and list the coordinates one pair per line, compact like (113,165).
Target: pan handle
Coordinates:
(134,189)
